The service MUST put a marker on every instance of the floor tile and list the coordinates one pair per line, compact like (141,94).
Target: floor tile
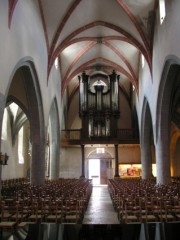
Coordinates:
(100,209)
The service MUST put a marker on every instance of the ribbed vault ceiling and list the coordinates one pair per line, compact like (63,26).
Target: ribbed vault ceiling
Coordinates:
(97,36)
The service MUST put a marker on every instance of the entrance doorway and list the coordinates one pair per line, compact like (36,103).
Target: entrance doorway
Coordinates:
(94,171)
(98,171)
(100,166)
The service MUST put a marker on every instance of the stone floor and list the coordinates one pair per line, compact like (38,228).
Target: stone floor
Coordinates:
(100,209)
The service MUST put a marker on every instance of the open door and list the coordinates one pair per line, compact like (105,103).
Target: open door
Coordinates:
(103,172)
(98,171)
(94,171)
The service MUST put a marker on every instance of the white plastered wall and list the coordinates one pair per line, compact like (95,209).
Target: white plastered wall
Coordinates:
(165,46)
(25,40)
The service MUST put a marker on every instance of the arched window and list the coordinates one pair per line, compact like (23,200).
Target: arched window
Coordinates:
(4,125)
(14,124)
(162,10)
(21,146)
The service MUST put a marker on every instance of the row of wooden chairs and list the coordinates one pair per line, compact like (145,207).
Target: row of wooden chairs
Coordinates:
(56,212)
(56,188)
(176,179)
(144,201)
(58,201)
(14,181)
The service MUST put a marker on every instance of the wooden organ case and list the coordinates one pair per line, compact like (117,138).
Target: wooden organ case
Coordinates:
(99,105)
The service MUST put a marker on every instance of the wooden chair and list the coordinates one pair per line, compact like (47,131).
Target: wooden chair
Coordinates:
(72,212)
(147,211)
(167,214)
(6,223)
(17,213)
(127,215)
(55,213)
(176,207)
(36,213)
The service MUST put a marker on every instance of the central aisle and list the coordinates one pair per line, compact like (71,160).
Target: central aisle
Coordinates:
(100,209)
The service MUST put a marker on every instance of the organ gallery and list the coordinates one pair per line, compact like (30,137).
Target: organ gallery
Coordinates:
(99,104)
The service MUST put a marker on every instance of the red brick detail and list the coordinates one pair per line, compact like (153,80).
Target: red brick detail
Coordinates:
(90,71)
(123,71)
(12,5)
(80,39)
(62,24)
(83,51)
(136,24)
(122,58)
(108,45)
(129,37)
(77,71)
(112,64)
(106,69)
(44,24)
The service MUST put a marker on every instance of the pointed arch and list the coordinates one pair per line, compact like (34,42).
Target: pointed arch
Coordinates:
(113,64)
(169,77)
(27,72)
(59,48)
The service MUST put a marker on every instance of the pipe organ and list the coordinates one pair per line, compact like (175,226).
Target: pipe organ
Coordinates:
(99,104)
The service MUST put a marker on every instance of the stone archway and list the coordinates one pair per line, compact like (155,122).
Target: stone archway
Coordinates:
(36,119)
(24,87)
(167,112)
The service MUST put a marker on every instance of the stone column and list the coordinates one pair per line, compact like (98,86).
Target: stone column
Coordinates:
(146,160)
(37,173)
(83,159)
(116,162)
(2,107)
(54,160)
(163,161)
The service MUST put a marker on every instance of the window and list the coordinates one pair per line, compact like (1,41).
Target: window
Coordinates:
(142,60)
(162,10)
(14,109)
(4,125)
(20,146)
(100,150)
(56,63)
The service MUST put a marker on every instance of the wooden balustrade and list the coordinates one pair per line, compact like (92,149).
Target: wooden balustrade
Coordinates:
(75,136)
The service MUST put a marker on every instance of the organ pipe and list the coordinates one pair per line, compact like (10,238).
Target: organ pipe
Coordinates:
(107,126)
(91,126)
(81,94)
(114,87)
(99,90)
(99,104)
(85,84)
(106,101)
(91,101)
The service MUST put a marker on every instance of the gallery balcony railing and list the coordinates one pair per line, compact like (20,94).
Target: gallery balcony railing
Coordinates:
(75,136)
